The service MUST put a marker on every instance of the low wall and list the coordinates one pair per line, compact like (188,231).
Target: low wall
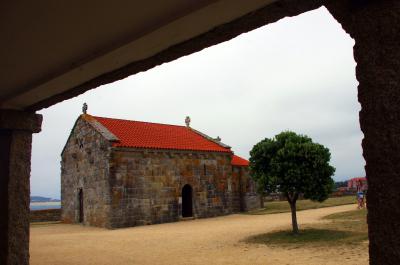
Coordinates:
(49,215)
(252,201)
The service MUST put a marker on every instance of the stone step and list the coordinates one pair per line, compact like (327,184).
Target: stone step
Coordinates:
(186,218)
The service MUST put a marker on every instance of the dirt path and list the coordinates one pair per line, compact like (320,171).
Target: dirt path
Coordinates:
(204,241)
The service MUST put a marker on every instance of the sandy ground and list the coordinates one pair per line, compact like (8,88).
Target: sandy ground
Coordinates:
(203,241)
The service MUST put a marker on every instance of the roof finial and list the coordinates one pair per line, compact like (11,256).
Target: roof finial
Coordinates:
(187,121)
(84,108)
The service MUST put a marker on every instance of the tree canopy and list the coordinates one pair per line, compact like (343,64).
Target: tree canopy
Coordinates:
(292,164)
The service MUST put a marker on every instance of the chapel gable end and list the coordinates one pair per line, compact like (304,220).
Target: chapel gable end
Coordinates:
(85,139)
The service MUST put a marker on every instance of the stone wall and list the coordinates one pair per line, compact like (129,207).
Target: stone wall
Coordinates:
(85,166)
(375,27)
(48,215)
(16,128)
(146,186)
(247,197)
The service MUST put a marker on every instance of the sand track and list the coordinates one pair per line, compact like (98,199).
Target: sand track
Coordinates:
(203,241)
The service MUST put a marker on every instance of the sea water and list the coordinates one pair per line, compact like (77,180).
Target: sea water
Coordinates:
(44,205)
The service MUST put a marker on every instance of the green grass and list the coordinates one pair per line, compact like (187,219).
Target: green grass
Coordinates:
(352,221)
(44,223)
(341,228)
(283,206)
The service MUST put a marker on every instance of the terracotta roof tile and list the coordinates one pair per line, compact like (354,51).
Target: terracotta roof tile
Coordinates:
(238,161)
(158,136)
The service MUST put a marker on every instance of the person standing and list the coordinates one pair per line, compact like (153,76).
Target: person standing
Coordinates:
(360,195)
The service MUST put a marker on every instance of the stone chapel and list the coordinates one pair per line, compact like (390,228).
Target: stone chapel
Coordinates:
(121,173)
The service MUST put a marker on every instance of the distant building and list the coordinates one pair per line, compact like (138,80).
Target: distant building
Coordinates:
(342,189)
(353,183)
(120,173)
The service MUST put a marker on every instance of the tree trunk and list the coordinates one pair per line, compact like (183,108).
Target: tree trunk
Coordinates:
(292,199)
(294,217)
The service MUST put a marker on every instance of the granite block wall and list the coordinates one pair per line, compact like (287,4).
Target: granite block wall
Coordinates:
(246,198)
(85,166)
(146,186)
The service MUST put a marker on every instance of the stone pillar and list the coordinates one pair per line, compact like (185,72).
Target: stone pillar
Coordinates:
(375,26)
(16,128)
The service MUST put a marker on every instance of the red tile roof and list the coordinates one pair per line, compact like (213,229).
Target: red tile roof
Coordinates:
(158,136)
(357,179)
(238,161)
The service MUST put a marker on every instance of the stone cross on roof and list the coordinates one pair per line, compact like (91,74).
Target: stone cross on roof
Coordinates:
(84,108)
(187,121)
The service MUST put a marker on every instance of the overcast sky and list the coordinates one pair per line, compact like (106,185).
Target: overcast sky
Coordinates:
(297,74)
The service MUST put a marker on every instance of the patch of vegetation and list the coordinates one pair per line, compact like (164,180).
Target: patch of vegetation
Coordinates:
(34,224)
(341,228)
(354,221)
(283,206)
(308,235)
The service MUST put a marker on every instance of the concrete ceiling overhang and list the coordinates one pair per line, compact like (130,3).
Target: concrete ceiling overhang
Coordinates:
(54,50)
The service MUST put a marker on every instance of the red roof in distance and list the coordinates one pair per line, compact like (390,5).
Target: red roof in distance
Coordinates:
(238,161)
(137,134)
(357,179)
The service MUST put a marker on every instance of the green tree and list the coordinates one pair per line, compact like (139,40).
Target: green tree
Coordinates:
(292,164)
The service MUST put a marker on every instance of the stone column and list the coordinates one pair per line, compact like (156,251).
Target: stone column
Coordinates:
(375,26)
(16,128)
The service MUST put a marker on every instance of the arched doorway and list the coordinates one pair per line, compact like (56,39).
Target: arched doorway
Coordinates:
(80,200)
(187,203)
